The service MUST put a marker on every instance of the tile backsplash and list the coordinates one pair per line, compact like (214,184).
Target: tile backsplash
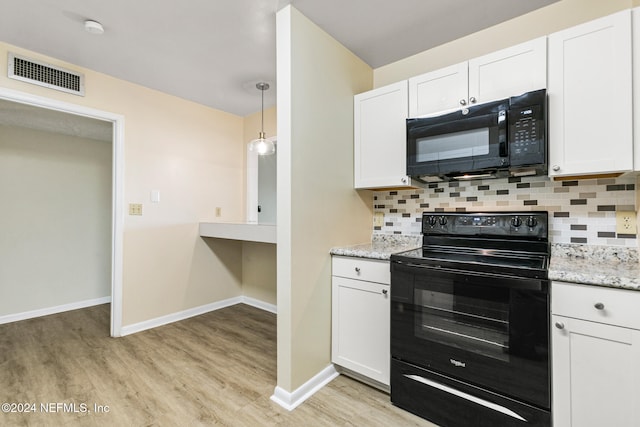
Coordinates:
(580,211)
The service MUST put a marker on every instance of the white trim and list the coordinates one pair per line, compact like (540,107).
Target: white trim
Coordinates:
(180,315)
(252,185)
(290,401)
(271,308)
(117,244)
(196,311)
(117,185)
(53,310)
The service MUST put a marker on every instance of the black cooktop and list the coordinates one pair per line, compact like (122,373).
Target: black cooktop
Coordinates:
(488,261)
(501,243)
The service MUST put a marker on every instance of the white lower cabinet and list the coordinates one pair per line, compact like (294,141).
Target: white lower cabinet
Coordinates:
(360,317)
(596,356)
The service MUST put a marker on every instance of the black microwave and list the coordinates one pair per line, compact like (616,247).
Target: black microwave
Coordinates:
(496,139)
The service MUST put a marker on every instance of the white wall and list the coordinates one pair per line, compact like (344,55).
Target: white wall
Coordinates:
(317,205)
(55,220)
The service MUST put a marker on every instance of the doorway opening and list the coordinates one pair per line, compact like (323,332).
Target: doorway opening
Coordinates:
(35,114)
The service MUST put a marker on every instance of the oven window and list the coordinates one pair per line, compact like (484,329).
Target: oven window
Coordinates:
(465,144)
(500,322)
(477,323)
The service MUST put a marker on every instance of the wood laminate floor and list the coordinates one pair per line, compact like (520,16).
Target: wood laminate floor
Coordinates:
(215,369)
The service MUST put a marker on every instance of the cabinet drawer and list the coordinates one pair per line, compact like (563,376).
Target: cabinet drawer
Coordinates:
(362,269)
(597,304)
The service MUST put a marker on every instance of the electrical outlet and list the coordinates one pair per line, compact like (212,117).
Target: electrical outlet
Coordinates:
(626,222)
(135,208)
(378,219)
(218,212)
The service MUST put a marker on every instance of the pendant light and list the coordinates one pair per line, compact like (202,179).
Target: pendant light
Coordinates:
(262,146)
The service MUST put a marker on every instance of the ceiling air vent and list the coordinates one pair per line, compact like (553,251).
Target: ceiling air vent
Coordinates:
(47,75)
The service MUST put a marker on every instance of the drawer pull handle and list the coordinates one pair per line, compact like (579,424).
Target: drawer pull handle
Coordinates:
(357,269)
(559,325)
(384,292)
(599,306)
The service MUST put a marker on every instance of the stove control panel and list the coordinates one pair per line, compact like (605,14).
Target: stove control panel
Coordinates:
(532,224)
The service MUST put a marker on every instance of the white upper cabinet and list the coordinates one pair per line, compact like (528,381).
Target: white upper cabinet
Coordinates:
(590,98)
(507,72)
(380,145)
(440,90)
(636,87)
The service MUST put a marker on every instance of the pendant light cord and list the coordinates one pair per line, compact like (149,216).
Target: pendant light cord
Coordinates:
(262,119)
(262,86)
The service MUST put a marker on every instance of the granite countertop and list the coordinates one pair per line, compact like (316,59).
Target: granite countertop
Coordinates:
(380,247)
(609,266)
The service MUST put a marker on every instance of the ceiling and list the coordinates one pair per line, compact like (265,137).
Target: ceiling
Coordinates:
(48,120)
(214,51)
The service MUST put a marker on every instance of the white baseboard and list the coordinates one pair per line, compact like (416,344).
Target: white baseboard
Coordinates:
(196,311)
(53,310)
(180,315)
(271,308)
(290,401)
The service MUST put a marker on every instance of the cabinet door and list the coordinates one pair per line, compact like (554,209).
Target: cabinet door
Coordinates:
(438,91)
(590,97)
(360,327)
(596,374)
(380,142)
(636,87)
(509,72)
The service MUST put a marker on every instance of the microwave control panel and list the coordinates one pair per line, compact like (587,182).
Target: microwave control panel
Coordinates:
(526,135)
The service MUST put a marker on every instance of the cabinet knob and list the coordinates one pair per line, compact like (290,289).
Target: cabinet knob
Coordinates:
(357,269)
(559,325)
(555,168)
(404,180)
(463,102)
(384,292)
(599,306)
(472,100)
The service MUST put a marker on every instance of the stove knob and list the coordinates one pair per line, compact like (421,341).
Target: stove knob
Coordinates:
(516,221)
(532,222)
(432,220)
(443,220)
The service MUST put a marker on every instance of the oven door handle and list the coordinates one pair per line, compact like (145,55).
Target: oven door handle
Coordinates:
(524,283)
(466,396)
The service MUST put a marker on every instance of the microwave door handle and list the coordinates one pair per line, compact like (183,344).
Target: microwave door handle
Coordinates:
(503,144)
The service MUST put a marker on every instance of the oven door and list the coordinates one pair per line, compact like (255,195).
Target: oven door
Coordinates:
(483,329)
(456,143)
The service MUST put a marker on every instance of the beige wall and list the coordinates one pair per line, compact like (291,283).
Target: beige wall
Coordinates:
(192,154)
(259,271)
(259,259)
(560,15)
(317,205)
(55,220)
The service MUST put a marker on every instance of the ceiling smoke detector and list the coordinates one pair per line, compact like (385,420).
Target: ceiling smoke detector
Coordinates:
(93,27)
